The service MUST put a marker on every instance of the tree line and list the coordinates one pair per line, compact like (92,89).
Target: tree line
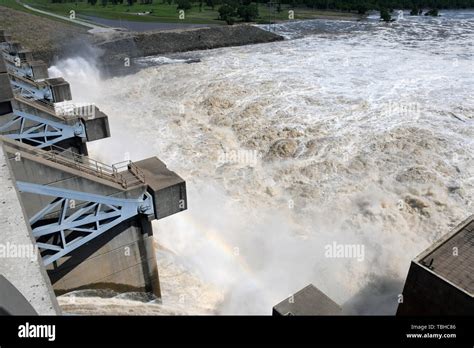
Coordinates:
(363,6)
(247,10)
(338,5)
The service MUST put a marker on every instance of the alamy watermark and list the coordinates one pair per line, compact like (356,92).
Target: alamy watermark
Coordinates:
(28,330)
(76,110)
(242,157)
(10,250)
(347,251)
(408,110)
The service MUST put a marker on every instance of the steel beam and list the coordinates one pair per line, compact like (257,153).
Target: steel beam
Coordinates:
(29,91)
(42,132)
(93,216)
(23,71)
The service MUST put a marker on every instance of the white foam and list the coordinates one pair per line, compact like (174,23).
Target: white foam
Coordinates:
(368,117)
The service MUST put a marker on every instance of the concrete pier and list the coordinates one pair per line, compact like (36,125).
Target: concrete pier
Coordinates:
(123,258)
(441,279)
(91,221)
(40,103)
(308,301)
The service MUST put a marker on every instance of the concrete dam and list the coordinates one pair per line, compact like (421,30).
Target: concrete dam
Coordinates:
(70,222)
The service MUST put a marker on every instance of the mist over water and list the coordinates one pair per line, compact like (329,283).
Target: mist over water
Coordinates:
(360,135)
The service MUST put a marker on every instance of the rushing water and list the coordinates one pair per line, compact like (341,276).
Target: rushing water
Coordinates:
(348,132)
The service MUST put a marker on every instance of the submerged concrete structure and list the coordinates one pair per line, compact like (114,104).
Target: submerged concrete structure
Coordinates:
(91,221)
(441,279)
(308,301)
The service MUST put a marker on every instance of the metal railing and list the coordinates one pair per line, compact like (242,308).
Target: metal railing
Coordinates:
(13,59)
(41,104)
(125,173)
(129,172)
(136,171)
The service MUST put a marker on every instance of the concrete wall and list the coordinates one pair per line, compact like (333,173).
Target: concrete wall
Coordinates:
(5,87)
(3,67)
(167,188)
(122,259)
(36,172)
(6,93)
(160,42)
(427,294)
(97,127)
(26,274)
(171,41)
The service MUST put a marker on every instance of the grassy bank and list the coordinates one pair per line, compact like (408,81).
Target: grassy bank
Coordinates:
(41,34)
(164,12)
(12,4)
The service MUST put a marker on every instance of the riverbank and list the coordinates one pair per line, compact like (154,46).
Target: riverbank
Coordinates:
(51,40)
(46,37)
(131,15)
(118,51)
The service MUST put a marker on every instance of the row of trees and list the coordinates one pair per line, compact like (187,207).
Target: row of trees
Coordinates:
(340,5)
(362,6)
(115,2)
(247,10)
(231,10)
(387,17)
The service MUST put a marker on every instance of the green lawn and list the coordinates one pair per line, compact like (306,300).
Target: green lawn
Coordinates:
(163,12)
(160,12)
(14,5)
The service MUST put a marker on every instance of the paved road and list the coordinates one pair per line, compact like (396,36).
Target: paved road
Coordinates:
(76,21)
(111,24)
(144,26)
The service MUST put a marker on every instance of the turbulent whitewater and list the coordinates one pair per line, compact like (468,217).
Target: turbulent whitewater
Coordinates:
(347,132)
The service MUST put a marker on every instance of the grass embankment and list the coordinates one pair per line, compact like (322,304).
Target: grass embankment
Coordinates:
(164,12)
(12,4)
(42,34)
